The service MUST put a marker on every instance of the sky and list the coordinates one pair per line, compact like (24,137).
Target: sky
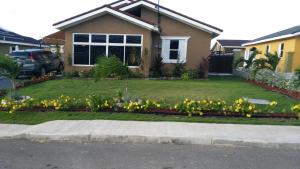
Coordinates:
(240,19)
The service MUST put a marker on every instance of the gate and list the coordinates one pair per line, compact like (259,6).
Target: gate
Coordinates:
(221,63)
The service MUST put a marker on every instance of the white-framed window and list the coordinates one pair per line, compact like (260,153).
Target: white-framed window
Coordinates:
(281,49)
(174,49)
(87,47)
(13,48)
(268,49)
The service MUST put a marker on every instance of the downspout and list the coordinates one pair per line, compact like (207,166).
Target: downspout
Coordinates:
(159,27)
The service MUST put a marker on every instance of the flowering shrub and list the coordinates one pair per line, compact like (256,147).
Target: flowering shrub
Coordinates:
(140,105)
(97,103)
(271,107)
(243,107)
(62,103)
(197,107)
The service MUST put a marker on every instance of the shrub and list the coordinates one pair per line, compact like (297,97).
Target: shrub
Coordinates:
(244,107)
(190,75)
(9,68)
(87,73)
(156,70)
(110,67)
(178,70)
(97,103)
(192,107)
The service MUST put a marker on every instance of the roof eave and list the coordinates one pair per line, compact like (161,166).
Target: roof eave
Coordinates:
(102,11)
(272,39)
(214,31)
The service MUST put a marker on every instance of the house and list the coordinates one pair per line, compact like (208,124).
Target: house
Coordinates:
(223,55)
(228,46)
(10,41)
(55,42)
(287,45)
(135,30)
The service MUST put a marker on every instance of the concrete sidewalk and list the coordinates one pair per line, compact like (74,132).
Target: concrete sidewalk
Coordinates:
(156,132)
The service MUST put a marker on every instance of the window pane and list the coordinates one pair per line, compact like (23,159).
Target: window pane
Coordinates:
(96,52)
(118,51)
(99,38)
(133,56)
(134,39)
(116,39)
(174,44)
(282,46)
(81,54)
(174,55)
(81,38)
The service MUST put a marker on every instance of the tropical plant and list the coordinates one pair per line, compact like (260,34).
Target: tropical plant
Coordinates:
(179,69)
(247,62)
(269,62)
(156,70)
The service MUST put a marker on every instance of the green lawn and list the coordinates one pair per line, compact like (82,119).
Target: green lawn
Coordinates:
(40,117)
(228,88)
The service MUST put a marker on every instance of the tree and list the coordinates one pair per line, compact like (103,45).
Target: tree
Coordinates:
(247,62)
(9,68)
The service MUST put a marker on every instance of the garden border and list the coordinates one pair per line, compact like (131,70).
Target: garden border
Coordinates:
(292,94)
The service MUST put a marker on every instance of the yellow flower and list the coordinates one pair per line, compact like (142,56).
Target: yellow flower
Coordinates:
(249,115)
(250,107)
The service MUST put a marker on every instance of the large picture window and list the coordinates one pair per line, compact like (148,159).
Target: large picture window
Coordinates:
(88,47)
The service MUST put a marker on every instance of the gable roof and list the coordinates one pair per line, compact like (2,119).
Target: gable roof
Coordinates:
(287,33)
(175,15)
(9,37)
(119,8)
(106,9)
(231,43)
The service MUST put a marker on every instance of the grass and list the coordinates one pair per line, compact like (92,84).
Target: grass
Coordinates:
(227,88)
(41,117)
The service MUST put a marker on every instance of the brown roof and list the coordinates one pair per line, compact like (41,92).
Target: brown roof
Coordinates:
(126,13)
(57,38)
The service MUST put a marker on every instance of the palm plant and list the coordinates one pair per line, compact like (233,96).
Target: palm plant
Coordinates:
(269,62)
(247,62)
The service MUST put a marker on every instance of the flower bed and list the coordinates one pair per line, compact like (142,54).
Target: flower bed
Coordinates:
(36,81)
(293,94)
(206,108)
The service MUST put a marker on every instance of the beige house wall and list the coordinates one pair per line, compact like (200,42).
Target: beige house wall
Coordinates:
(107,24)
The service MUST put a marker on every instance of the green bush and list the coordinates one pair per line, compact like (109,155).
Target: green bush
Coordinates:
(156,69)
(110,67)
(178,70)
(191,74)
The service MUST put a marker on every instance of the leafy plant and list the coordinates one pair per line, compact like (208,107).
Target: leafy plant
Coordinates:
(156,70)
(191,74)
(247,62)
(179,69)
(269,62)
(9,68)
(110,67)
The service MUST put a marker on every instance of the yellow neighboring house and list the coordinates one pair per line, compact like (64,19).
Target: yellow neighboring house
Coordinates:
(286,43)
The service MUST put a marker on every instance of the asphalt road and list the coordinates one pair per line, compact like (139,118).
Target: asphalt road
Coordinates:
(21,154)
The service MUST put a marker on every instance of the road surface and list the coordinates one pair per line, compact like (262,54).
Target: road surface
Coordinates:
(22,154)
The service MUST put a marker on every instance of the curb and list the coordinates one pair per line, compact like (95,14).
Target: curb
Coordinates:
(114,139)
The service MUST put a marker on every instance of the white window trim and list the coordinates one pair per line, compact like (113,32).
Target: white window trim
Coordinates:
(182,57)
(107,44)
